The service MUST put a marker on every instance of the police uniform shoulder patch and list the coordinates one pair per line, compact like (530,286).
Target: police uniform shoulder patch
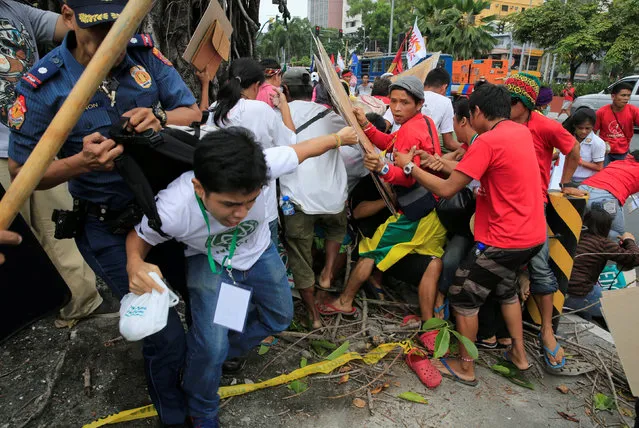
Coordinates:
(161,57)
(141,41)
(141,76)
(42,72)
(17,113)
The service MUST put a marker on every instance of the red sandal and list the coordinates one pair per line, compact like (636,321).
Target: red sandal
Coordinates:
(423,368)
(428,340)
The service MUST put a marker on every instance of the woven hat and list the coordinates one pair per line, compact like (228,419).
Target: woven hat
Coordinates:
(525,87)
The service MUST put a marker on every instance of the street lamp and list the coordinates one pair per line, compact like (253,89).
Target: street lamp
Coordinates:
(390,33)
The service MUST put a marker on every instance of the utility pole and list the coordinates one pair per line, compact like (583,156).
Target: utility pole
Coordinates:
(510,52)
(521,57)
(390,33)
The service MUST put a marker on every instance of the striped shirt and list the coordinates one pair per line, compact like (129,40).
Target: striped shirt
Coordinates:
(588,266)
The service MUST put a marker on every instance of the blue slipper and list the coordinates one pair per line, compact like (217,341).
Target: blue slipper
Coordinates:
(453,376)
(444,308)
(547,351)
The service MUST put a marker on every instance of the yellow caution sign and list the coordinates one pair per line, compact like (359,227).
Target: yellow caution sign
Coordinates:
(564,216)
(373,357)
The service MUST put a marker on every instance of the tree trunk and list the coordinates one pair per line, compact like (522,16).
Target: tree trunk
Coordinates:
(573,70)
(172,23)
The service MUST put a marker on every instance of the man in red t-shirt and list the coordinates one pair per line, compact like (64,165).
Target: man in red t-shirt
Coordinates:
(616,122)
(611,187)
(510,227)
(569,96)
(547,135)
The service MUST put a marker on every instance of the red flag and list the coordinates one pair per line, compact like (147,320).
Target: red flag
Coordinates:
(396,66)
(332,59)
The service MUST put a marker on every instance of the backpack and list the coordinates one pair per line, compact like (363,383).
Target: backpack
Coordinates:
(150,162)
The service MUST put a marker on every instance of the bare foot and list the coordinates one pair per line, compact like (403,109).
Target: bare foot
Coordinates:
(505,341)
(456,366)
(439,302)
(549,341)
(325,280)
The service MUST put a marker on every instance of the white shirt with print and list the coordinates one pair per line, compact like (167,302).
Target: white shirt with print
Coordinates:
(592,149)
(269,130)
(182,218)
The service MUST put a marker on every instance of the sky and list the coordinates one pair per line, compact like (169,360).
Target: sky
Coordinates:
(269,10)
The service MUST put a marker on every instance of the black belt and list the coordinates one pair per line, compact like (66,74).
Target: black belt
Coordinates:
(100,211)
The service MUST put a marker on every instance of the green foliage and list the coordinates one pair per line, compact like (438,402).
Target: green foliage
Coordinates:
(603,402)
(583,88)
(297,386)
(303,362)
(263,349)
(452,27)
(442,341)
(412,396)
(512,373)
(339,351)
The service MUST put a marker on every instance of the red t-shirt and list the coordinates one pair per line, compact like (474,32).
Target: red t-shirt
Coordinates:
(547,135)
(569,94)
(620,178)
(412,133)
(617,133)
(510,209)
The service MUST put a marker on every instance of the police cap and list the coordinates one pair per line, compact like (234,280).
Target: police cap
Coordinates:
(93,12)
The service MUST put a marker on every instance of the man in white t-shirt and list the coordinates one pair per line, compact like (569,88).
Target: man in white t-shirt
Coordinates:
(318,188)
(436,106)
(364,88)
(218,211)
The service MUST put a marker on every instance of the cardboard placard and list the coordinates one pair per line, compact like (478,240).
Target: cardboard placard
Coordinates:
(421,70)
(342,103)
(620,311)
(211,41)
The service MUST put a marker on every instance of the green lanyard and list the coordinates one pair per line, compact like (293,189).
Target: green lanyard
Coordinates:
(472,140)
(226,263)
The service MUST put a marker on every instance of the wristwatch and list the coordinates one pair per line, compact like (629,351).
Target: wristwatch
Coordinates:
(408,169)
(160,114)
(384,170)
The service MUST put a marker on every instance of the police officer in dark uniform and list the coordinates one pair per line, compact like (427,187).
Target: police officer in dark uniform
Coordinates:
(143,86)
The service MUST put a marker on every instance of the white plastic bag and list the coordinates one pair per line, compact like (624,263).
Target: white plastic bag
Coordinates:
(146,314)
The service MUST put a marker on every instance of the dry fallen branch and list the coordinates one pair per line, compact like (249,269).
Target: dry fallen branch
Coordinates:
(371,382)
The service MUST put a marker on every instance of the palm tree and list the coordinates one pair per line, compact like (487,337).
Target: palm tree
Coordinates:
(452,26)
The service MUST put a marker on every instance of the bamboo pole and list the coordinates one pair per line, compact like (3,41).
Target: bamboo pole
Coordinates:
(70,112)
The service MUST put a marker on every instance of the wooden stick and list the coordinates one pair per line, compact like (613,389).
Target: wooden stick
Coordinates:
(69,114)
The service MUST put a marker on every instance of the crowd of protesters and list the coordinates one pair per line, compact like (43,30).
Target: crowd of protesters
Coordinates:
(278,172)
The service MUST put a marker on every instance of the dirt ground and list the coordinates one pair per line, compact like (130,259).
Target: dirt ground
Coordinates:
(41,385)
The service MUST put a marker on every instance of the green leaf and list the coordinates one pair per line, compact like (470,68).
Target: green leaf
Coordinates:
(434,324)
(412,396)
(441,342)
(303,362)
(470,346)
(339,351)
(324,344)
(512,373)
(297,386)
(263,349)
(603,402)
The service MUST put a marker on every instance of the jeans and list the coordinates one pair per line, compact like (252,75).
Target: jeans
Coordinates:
(578,302)
(456,250)
(599,197)
(611,157)
(209,345)
(164,351)
(542,278)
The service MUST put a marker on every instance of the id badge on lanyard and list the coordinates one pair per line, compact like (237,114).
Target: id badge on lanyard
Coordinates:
(233,300)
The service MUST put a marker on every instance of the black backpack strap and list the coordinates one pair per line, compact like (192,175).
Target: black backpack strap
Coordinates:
(134,177)
(313,120)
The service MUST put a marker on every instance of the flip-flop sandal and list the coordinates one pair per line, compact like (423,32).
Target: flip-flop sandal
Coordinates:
(573,368)
(444,308)
(428,340)
(424,369)
(453,376)
(377,292)
(506,357)
(553,354)
(491,346)
(327,309)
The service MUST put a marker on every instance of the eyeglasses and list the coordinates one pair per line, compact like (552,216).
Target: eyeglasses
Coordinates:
(514,101)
